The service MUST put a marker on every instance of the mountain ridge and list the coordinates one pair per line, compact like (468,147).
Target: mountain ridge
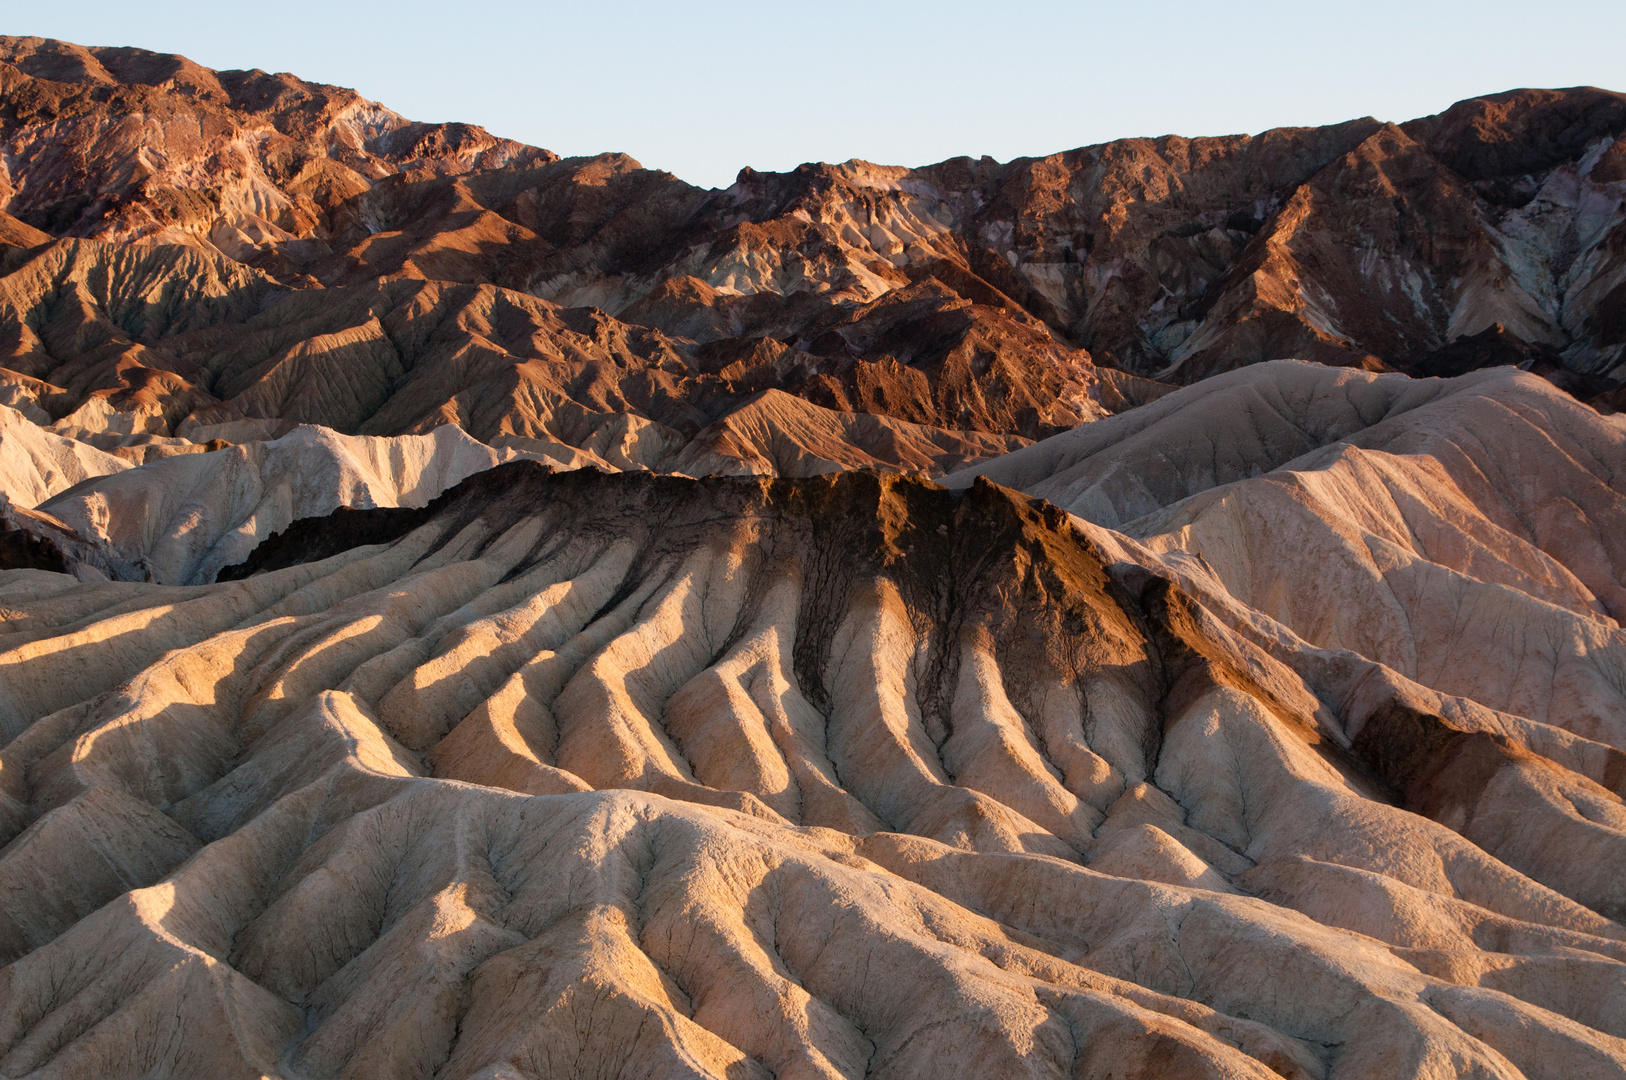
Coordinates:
(963,296)
(472,615)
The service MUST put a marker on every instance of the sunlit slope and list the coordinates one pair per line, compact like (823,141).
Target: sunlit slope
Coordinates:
(1469,533)
(828,777)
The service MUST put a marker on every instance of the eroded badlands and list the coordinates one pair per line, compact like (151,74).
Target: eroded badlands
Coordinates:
(472,615)
(575,773)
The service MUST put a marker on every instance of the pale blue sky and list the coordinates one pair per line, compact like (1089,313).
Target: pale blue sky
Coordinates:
(702,89)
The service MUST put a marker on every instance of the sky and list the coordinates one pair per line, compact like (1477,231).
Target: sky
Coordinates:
(701,90)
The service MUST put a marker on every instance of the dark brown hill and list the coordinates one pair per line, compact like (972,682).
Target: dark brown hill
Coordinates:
(394,276)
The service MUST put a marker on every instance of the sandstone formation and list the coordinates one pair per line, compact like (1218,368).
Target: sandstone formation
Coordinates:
(1494,476)
(1469,535)
(181,518)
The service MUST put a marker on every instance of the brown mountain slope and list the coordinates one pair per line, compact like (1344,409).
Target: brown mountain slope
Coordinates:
(1362,243)
(125,143)
(300,180)
(1153,252)
(124,340)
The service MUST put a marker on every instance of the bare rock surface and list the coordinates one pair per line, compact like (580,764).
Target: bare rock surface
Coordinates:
(179,520)
(781,435)
(1462,535)
(1494,475)
(840,776)
(165,345)
(261,233)
(471,614)
(36,464)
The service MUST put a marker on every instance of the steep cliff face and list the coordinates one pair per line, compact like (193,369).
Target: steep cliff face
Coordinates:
(842,776)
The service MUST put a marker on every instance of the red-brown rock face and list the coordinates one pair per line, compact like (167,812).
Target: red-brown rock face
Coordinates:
(556,296)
